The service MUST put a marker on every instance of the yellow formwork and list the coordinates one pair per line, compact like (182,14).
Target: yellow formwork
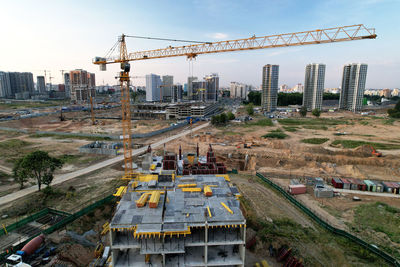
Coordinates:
(121,190)
(186,185)
(153,167)
(225,176)
(264,263)
(209,212)
(147,177)
(142,200)
(226,207)
(191,189)
(154,199)
(208,191)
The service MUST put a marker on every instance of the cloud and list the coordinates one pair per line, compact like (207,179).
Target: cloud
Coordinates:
(218,35)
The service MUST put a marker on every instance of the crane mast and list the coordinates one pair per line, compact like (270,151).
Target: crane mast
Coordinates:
(318,36)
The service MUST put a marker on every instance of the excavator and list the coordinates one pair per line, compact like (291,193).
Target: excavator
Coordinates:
(374,152)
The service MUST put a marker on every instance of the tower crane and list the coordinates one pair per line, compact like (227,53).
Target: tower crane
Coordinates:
(318,36)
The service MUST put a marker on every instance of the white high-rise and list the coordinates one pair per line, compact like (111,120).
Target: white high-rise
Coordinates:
(153,83)
(269,95)
(314,86)
(353,86)
(239,90)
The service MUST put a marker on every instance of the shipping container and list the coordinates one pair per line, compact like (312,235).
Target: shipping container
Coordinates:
(360,185)
(337,183)
(371,186)
(346,183)
(297,189)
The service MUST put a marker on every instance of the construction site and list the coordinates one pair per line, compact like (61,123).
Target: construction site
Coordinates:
(260,192)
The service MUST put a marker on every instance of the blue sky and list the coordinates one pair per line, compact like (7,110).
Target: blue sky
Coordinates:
(55,35)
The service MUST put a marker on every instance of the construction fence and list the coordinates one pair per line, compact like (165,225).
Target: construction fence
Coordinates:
(67,219)
(329,227)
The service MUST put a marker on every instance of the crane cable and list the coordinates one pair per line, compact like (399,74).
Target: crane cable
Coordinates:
(166,39)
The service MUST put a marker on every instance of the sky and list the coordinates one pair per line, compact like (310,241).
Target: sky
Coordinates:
(39,35)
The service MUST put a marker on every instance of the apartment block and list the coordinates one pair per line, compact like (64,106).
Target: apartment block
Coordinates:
(353,86)
(269,95)
(40,84)
(5,85)
(82,85)
(314,86)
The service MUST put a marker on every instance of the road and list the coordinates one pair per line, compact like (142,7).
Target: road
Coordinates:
(6,170)
(58,179)
(368,193)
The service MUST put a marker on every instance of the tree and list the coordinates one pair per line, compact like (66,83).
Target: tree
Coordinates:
(394,112)
(254,97)
(215,119)
(37,165)
(231,116)
(250,109)
(223,118)
(20,174)
(134,95)
(303,111)
(316,112)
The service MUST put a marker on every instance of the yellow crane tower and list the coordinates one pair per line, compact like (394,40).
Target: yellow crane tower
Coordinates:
(319,36)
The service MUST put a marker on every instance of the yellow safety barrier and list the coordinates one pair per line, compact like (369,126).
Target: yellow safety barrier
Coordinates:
(190,189)
(209,212)
(226,207)
(5,229)
(121,190)
(226,177)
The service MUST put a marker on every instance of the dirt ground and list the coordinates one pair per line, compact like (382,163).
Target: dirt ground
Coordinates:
(80,122)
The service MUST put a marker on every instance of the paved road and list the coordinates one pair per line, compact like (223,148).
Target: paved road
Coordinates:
(68,176)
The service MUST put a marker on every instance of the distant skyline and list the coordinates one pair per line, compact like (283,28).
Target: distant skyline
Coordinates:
(56,35)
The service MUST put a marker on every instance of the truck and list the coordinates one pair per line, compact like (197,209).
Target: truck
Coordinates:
(17,259)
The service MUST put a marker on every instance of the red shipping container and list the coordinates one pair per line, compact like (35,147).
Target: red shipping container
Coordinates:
(297,189)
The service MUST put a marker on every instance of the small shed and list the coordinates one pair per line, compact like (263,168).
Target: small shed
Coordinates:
(396,188)
(337,183)
(360,185)
(353,184)
(371,186)
(379,186)
(388,187)
(318,181)
(346,183)
(297,189)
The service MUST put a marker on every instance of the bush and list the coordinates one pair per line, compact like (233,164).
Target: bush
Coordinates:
(231,116)
(303,111)
(250,109)
(277,134)
(315,141)
(394,112)
(316,112)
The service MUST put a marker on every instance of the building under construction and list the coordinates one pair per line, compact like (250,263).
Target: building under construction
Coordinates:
(180,210)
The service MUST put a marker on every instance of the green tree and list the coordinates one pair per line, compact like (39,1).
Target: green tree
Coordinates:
(231,116)
(250,109)
(303,111)
(394,112)
(39,166)
(134,95)
(20,174)
(223,118)
(254,97)
(316,112)
(215,119)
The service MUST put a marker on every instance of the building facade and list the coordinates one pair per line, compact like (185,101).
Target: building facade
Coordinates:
(239,90)
(211,87)
(153,92)
(82,85)
(167,87)
(269,95)
(40,84)
(314,86)
(67,82)
(21,83)
(190,87)
(5,85)
(353,86)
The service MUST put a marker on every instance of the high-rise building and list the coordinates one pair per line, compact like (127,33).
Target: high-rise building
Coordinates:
(239,90)
(5,85)
(177,93)
(167,87)
(82,85)
(269,95)
(153,92)
(21,82)
(67,83)
(190,87)
(212,87)
(198,90)
(40,84)
(314,86)
(353,86)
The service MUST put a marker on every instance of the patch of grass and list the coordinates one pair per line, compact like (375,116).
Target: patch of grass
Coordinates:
(70,136)
(12,149)
(364,122)
(278,134)
(315,127)
(357,143)
(260,122)
(230,133)
(378,217)
(315,141)
(14,143)
(389,121)
(69,159)
(307,121)
(290,128)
